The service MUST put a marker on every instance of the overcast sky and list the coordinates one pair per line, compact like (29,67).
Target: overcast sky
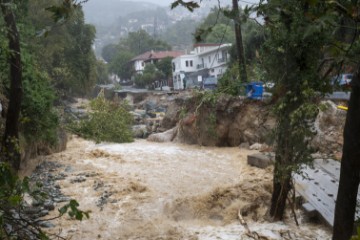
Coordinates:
(168,2)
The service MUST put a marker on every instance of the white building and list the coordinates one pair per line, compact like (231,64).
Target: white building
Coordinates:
(206,60)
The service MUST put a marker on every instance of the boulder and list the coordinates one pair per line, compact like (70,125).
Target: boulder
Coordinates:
(140,112)
(259,160)
(256,146)
(140,131)
(166,136)
(171,117)
(150,105)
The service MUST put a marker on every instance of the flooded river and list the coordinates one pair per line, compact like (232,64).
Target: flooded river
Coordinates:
(147,190)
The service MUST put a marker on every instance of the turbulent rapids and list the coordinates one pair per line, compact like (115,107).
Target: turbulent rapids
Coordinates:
(147,190)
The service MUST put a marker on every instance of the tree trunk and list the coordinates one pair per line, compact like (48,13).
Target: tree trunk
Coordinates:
(239,42)
(282,186)
(10,145)
(350,168)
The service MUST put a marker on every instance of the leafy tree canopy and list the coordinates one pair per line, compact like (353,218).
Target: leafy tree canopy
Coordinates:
(165,66)
(121,65)
(140,42)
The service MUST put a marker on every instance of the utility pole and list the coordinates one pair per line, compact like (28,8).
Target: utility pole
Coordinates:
(239,42)
(155,27)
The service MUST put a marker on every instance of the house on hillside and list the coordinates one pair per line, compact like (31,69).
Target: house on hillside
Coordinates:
(206,60)
(152,57)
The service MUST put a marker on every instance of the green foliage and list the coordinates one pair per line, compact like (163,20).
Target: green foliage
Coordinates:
(102,72)
(121,65)
(39,120)
(72,209)
(149,76)
(64,10)
(208,26)
(191,5)
(291,59)
(230,82)
(254,38)
(357,236)
(12,191)
(165,66)
(65,54)
(205,104)
(107,121)
(109,52)
(140,42)
(119,56)
(221,33)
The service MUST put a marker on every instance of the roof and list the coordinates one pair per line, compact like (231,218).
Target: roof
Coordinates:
(151,55)
(220,46)
(206,45)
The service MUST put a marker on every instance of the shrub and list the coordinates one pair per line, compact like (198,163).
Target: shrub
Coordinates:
(230,83)
(39,120)
(107,121)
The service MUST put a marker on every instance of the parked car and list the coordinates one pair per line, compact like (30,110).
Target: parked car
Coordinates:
(210,83)
(342,79)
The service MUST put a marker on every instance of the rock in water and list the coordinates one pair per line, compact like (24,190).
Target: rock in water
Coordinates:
(259,160)
(167,136)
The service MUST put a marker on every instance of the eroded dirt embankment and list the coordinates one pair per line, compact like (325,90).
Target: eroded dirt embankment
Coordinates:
(147,190)
(231,121)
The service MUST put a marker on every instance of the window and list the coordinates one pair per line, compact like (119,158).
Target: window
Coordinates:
(191,63)
(224,55)
(142,64)
(186,63)
(173,67)
(209,59)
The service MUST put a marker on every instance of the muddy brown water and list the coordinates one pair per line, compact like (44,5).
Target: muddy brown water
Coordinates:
(147,190)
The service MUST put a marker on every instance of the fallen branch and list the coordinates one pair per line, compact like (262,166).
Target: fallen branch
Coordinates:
(249,233)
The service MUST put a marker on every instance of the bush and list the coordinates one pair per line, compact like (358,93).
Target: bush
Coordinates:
(230,82)
(39,120)
(149,76)
(107,121)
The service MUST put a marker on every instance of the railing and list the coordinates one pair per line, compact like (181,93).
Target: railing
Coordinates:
(200,66)
(221,60)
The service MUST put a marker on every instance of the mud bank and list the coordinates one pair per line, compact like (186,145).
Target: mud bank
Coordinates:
(147,190)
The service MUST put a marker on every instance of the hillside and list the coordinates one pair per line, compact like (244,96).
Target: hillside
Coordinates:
(105,12)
